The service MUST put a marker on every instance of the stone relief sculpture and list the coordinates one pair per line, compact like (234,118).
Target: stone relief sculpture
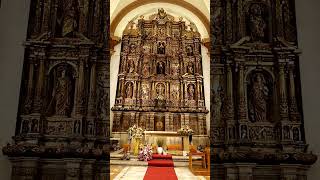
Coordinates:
(258,98)
(161,48)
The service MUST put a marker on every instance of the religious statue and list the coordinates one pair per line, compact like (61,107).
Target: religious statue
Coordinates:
(161,13)
(258,97)
(243,132)
(34,125)
(189,51)
(160,95)
(191,92)
(131,66)
(190,68)
(161,48)
(144,93)
(129,90)
(160,68)
(61,94)
(67,18)
(257,24)
(90,128)
(76,128)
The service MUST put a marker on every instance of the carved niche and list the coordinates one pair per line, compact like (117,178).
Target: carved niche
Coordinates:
(167,83)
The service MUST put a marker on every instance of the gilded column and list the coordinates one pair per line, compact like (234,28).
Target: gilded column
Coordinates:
(283,93)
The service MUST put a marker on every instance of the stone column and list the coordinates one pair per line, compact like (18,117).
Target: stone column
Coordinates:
(152,121)
(80,89)
(29,98)
(229,100)
(294,113)
(92,97)
(72,169)
(283,93)
(39,88)
(242,112)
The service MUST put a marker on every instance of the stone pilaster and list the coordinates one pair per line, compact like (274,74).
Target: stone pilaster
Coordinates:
(293,110)
(283,93)
(39,87)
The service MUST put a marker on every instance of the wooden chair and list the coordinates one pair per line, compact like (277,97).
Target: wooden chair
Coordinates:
(192,153)
(126,148)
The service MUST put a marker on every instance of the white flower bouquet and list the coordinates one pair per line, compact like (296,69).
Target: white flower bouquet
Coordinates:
(185,131)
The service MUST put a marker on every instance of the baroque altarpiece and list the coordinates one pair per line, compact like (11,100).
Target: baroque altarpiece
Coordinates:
(62,129)
(160,82)
(257,127)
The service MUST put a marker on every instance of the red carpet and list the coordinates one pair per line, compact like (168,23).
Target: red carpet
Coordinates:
(160,168)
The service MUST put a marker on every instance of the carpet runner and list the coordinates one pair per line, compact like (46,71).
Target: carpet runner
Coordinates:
(160,168)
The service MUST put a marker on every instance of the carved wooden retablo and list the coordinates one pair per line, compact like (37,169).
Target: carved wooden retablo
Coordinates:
(160,83)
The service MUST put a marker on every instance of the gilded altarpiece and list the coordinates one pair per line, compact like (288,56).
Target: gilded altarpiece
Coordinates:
(62,129)
(160,82)
(257,127)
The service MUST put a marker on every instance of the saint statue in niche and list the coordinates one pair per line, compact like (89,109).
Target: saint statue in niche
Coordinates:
(190,68)
(161,48)
(160,68)
(62,93)
(189,51)
(67,17)
(129,90)
(257,24)
(34,126)
(131,66)
(76,128)
(191,92)
(258,98)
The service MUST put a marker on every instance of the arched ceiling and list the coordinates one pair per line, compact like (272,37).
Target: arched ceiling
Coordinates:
(196,11)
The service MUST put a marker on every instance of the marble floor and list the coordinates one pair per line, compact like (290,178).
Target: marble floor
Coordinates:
(119,172)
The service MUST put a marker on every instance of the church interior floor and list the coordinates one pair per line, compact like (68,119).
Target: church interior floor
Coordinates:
(120,172)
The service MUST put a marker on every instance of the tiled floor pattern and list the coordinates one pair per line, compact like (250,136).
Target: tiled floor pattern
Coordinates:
(138,172)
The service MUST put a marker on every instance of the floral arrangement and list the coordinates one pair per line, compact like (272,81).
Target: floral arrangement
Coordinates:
(135,131)
(160,142)
(185,131)
(145,153)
